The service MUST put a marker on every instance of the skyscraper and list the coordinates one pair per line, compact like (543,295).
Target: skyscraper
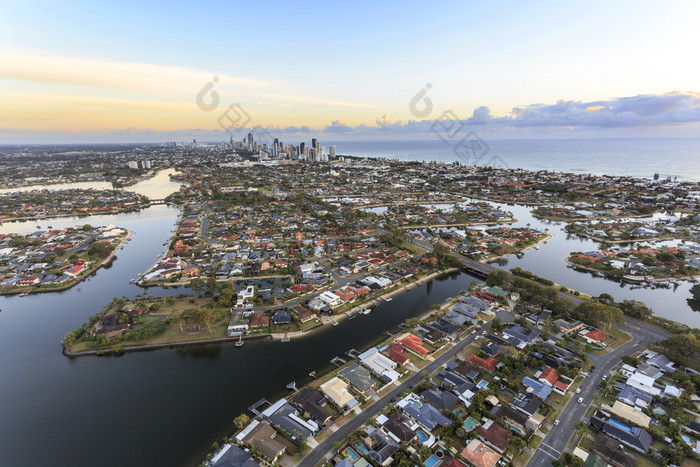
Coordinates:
(302,146)
(332,151)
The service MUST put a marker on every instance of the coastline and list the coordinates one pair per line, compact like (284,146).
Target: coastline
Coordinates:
(584,268)
(78,280)
(296,334)
(537,243)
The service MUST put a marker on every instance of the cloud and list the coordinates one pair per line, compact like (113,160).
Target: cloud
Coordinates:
(650,110)
(642,110)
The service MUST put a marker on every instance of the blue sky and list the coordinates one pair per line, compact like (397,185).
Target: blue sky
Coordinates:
(129,71)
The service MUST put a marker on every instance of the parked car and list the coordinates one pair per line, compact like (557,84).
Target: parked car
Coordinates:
(556,422)
(578,390)
(580,399)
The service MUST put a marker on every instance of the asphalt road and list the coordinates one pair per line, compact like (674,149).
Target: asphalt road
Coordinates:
(558,437)
(317,454)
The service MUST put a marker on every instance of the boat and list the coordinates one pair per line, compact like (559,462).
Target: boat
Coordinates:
(285,338)
(365,310)
(24,294)
(313,374)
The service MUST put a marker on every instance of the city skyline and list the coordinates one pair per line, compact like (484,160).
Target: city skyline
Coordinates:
(103,74)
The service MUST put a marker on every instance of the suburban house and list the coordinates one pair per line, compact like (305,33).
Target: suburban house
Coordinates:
(359,377)
(312,402)
(395,352)
(413,343)
(479,454)
(489,363)
(261,437)
(425,414)
(287,417)
(233,456)
(494,435)
(380,364)
(337,391)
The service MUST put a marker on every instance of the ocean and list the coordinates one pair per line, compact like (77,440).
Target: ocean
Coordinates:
(632,157)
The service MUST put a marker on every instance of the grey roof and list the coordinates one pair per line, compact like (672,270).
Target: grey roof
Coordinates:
(427,415)
(636,438)
(236,457)
(281,418)
(358,376)
(384,448)
(440,399)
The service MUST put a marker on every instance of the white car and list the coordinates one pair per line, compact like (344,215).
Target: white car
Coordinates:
(580,399)
(556,422)
(578,390)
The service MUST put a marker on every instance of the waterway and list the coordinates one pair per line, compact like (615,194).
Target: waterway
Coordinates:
(165,407)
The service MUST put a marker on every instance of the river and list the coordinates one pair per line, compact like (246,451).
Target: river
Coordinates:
(165,407)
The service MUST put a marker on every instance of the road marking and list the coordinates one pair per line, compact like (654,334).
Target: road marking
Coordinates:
(550,447)
(545,452)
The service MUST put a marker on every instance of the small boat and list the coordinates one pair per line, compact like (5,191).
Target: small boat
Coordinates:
(24,294)
(365,311)
(313,374)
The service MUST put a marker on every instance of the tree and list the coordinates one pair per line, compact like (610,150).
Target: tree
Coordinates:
(241,421)
(212,284)
(685,344)
(497,277)
(197,285)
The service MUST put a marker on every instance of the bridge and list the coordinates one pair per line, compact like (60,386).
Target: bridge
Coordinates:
(475,267)
(157,201)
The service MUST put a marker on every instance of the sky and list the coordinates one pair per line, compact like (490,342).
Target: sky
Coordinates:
(160,71)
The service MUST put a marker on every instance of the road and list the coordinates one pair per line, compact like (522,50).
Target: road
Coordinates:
(317,454)
(558,437)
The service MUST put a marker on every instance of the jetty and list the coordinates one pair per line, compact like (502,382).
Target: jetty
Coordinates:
(254,408)
(337,361)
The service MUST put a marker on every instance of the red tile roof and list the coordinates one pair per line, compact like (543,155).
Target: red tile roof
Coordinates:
(597,335)
(489,363)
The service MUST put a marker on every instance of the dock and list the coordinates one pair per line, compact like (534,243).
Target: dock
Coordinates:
(352,353)
(254,408)
(292,386)
(337,361)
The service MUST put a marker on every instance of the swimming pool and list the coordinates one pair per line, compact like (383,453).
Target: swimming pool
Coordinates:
(362,448)
(516,430)
(351,454)
(469,424)
(619,425)
(382,349)
(482,384)
(422,436)
(431,461)
(687,440)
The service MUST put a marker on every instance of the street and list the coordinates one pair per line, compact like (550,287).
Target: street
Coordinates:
(317,454)
(558,437)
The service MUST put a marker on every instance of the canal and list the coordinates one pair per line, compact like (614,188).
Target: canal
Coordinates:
(166,407)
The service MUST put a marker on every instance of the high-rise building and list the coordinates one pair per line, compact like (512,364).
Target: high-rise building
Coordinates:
(302,146)
(250,139)
(332,151)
